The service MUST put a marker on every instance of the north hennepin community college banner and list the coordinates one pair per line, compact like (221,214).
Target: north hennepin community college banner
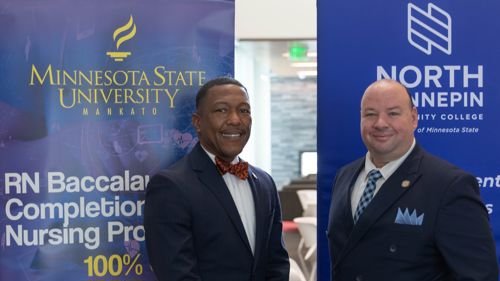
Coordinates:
(445,51)
(95,97)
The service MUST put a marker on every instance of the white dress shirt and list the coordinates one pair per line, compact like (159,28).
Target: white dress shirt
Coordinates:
(387,170)
(241,193)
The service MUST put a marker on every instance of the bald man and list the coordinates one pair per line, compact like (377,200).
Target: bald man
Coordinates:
(400,213)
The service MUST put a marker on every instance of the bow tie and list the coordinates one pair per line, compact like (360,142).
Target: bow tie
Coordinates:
(239,169)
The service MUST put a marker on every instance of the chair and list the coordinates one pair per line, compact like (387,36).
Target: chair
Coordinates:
(308,199)
(307,228)
(295,272)
(311,210)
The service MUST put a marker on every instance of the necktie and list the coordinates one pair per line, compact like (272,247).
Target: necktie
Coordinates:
(239,169)
(367,196)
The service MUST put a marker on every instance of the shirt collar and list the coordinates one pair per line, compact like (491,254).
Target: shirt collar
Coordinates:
(212,156)
(388,169)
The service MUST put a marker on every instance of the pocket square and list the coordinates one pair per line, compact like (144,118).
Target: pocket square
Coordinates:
(409,218)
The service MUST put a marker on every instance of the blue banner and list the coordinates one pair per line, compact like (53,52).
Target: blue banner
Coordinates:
(95,97)
(445,52)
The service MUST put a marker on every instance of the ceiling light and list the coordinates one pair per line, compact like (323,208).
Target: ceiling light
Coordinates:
(305,64)
(306,73)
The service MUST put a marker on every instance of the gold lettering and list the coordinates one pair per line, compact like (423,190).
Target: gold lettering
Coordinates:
(139,96)
(106,97)
(108,78)
(88,79)
(180,77)
(128,95)
(125,78)
(133,76)
(48,71)
(66,75)
(157,95)
(118,96)
(171,97)
(144,79)
(97,79)
(61,98)
(169,72)
(81,94)
(159,75)
(201,78)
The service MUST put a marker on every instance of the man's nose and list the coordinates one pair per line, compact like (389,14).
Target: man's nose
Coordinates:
(381,122)
(233,118)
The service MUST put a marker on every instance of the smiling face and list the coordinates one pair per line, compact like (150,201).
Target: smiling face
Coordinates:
(388,121)
(223,121)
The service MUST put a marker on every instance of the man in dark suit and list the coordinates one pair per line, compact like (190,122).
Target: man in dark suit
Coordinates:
(216,222)
(400,213)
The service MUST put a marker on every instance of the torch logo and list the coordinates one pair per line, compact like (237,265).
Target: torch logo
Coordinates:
(123,33)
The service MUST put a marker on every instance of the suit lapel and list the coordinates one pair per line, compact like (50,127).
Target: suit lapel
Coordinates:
(210,177)
(259,212)
(352,180)
(345,205)
(388,194)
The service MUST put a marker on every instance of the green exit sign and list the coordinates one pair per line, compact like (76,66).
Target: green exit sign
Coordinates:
(297,51)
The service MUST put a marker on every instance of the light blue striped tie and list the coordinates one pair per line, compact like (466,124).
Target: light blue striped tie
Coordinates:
(367,196)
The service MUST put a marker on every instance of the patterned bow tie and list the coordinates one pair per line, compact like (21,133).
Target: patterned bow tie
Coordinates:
(239,169)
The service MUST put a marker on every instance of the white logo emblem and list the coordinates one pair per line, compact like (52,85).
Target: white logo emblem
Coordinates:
(431,28)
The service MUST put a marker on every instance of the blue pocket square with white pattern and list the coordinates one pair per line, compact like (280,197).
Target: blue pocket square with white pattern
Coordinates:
(409,218)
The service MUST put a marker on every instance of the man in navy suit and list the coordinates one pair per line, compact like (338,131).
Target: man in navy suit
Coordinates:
(211,216)
(400,213)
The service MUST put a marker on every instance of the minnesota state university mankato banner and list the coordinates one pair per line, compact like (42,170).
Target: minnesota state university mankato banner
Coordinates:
(95,97)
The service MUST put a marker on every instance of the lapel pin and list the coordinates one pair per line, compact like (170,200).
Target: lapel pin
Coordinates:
(405,183)
(254,176)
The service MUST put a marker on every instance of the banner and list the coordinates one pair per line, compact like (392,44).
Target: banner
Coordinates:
(95,97)
(445,52)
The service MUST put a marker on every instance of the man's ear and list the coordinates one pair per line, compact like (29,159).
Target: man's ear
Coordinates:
(414,116)
(195,120)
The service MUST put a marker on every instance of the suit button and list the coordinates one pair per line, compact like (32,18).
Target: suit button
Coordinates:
(359,278)
(393,248)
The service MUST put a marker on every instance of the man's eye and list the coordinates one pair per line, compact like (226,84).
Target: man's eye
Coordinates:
(369,114)
(393,113)
(222,110)
(245,110)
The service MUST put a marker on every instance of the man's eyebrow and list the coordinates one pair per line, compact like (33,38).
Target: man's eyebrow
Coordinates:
(220,103)
(394,107)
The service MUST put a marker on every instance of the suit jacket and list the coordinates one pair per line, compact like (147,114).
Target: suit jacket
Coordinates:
(453,241)
(194,231)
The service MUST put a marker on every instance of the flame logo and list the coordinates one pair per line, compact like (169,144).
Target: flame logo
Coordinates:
(129,27)
(122,29)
